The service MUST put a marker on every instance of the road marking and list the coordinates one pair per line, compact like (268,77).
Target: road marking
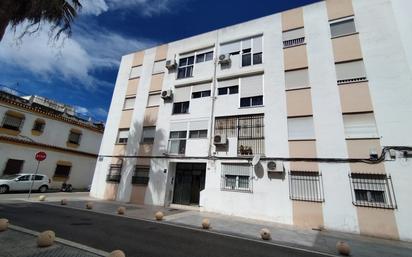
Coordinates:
(62,241)
(196,229)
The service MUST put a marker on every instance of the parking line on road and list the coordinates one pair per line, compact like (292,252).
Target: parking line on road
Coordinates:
(197,229)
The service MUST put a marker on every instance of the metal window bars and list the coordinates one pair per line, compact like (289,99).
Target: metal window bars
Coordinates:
(236,177)
(294,42)
(306,186)
(114,174)
(372,190)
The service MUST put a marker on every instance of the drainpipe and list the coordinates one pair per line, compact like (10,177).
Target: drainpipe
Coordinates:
(214,80)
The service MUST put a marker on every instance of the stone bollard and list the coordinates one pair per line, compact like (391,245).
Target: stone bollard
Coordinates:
(121,210)
(46,238)
(117,253)
(89,205)
(205,224)
(42,198)
(343,248)
(63,202)
(4,224)
(265,234)
(159,215)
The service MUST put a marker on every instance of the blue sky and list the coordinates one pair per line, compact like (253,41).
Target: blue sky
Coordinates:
(82,70)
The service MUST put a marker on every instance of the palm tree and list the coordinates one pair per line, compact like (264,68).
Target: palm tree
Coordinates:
(59,13)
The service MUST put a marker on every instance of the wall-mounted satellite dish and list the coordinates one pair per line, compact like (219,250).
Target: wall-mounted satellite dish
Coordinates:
(255,159)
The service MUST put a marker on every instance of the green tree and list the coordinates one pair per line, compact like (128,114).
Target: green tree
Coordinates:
(59,13)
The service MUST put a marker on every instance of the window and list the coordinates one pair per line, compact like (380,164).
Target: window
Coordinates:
(301,128)
(236,177)
(350,72)
(179,108)
(122,136)
(296,79)
(62,171)
(38,177)
(185,69)
(293,37)
(159,67)
(153,100)
(306,186)
(135,72)
(141,175)
(13,122)
(13,166)
(341,28)
(251,101)
(200,94)
(24,178)
(228,90)
(114,174)
(249,48)
(372,190)
(129,103)
(361,125)
(177,142)
(198,133)
(204,57)
(74,137)
(148,135)
(39,125)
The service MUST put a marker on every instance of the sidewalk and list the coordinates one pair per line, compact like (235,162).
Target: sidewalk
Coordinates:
(322,241)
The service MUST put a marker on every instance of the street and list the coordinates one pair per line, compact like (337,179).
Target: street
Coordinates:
(135,237)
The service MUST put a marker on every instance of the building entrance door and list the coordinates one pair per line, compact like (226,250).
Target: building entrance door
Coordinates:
(189,181)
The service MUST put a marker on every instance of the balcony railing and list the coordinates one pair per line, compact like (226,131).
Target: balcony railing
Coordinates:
(113,178)
(351,80)
(294,42)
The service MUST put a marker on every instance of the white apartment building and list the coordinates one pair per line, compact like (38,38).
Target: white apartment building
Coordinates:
(320,93)
(33,124)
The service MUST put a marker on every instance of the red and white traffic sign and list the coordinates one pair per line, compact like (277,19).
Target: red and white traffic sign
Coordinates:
(41,156)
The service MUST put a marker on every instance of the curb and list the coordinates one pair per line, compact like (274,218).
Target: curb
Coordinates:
(61,241)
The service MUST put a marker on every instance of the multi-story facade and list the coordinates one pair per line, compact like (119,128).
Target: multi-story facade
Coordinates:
(33,124)
(320,93)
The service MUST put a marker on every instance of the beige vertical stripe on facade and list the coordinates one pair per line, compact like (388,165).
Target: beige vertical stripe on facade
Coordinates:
(157,82)
(355,98)
(138,58)
(295,57)
(347,48)
(360,148)
(303,149)
(299,102)
(116,160)
(339,8)
(138,194)
(292,19)
(307,215)
(132,87)
(119,150)
(144,150)
(126,119)
(110,191)
(377,222)
(150,116)
(161,52)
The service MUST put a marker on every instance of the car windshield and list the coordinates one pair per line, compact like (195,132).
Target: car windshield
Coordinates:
(9,176)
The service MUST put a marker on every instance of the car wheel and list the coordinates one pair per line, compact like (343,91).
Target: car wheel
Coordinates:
(4,189)
(43,189)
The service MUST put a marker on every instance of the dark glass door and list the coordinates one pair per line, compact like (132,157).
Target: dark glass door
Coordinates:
(189,181)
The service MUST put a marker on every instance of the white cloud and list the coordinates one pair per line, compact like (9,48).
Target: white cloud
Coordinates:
(95,7)
(81,110)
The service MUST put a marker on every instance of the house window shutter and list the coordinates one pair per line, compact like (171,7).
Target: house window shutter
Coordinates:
(178,126)
(297,79)
(159,67)
(199,125)
(153,100)
(301,128)
(360,125)
(182,94)
(230,47)
(228,83)
(293,34)
(342,28)
(236,169)
(129,103)
(201,87)
(251,86)
(136,72)
(350,70)
(257,44)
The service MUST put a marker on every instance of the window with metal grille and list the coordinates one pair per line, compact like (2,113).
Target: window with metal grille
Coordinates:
(141,175)
(114,174)
(62,171)
(372,190)
(74,137)
(306,186)
(249,131)
(12,122)
(13,166)
(39,125)
(177,142)
(185,69)
(237,177)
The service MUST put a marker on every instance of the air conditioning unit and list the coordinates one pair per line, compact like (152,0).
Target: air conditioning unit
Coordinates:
(224,58)
(167,94)
(171,64)
(220,140)
(274,166)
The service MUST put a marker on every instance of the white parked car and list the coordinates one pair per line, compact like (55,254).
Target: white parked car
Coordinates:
(22,182)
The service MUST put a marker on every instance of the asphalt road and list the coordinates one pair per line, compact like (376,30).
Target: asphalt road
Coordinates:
(135,237)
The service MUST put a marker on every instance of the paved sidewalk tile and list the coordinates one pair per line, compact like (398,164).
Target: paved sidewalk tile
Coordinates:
(18,244)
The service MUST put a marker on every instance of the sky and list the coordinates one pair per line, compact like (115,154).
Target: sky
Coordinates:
(81,70)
